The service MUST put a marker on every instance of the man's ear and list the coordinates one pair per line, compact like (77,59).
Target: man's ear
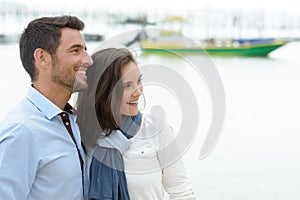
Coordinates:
(42,58)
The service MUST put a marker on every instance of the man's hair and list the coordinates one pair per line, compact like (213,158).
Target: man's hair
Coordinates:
(45,33)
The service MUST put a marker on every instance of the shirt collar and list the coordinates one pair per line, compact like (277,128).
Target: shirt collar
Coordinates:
(68,108)
(48,108)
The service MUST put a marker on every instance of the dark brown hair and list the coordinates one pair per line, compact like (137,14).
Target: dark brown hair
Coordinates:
(44,33)
(98,107)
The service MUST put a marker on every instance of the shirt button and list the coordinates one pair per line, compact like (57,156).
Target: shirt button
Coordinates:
(67,123)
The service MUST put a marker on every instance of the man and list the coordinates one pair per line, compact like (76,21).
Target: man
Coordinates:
(41,156)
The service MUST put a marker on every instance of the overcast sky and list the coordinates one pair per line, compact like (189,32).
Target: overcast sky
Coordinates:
(286,6)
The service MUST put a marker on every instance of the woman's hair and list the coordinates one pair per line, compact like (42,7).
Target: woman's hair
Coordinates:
(98,107)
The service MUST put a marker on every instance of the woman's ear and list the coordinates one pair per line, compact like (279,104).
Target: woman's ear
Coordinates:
(42,58)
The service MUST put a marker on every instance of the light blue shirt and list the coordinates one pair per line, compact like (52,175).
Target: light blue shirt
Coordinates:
(38,159)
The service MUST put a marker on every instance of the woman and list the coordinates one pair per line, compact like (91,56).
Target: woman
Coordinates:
(128,152)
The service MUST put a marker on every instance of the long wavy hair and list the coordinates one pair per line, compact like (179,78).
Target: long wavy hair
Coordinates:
(98,107)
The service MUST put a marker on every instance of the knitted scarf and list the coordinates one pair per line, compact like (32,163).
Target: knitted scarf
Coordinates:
(107,176)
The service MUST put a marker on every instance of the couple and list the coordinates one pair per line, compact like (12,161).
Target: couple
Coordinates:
(41,155)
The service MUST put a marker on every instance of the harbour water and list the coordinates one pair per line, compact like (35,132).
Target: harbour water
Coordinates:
(257,154)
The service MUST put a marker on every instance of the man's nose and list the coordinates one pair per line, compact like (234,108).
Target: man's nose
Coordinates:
(87,60)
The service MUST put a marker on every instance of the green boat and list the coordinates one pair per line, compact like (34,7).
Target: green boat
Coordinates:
(238,47)
(165,40)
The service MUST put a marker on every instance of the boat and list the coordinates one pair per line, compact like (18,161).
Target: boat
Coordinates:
(170,39)
(9,38)
(139,20)
(174,42)
(90,37)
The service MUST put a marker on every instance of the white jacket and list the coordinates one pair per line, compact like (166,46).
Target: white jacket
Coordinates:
(154,170)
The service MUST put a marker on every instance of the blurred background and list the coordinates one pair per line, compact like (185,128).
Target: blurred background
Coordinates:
(204,19)
(257,154)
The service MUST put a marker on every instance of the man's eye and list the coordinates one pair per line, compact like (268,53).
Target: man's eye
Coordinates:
(75,50)
(140,80)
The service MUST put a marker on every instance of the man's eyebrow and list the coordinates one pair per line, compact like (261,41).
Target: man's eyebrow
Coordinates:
(77,46)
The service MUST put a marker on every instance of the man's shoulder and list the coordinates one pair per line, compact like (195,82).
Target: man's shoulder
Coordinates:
(19,115)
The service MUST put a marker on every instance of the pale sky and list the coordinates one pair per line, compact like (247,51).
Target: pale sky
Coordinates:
(286,6)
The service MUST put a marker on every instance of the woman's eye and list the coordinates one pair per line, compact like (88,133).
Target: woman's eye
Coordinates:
(127,85)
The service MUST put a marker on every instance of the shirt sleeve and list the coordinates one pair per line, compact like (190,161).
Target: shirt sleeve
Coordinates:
(175,180)
(18,162)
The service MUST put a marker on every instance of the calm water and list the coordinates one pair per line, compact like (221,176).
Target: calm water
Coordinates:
(257,155)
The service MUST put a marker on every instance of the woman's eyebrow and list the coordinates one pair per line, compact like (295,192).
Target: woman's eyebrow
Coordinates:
(127,82)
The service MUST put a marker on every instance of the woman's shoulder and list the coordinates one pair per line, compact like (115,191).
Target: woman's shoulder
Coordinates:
(156,121)
(156,118)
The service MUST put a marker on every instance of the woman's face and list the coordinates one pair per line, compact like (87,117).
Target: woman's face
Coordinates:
(132,89)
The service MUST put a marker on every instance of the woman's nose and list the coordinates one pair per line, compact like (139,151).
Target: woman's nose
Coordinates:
(138,91)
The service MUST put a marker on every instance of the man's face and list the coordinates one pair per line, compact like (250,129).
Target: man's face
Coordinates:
(71,61)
